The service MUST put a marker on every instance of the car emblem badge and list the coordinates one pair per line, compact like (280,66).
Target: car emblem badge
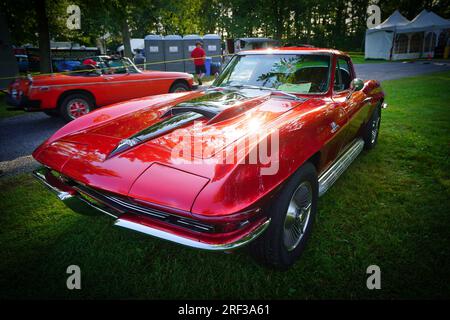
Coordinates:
(334,127)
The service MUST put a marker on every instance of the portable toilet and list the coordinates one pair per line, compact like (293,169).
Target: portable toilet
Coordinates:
(173,50)
(189,45)
(212,46)
(154,52)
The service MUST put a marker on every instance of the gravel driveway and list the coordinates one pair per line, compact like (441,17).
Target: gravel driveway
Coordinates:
(20,135)
(397,70)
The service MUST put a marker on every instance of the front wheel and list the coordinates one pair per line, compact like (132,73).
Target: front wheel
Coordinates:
(179,87)
(75,105)
(292,215)
(372,129)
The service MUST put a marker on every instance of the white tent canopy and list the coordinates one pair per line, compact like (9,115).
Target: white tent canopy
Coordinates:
(398,38)
(380,38)
(425,21)
(396,19)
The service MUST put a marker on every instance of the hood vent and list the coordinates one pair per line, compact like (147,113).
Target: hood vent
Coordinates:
(209,105)
(205,110)
(215,105)
(155,130)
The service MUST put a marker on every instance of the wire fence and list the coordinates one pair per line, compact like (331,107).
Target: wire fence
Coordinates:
(143,65)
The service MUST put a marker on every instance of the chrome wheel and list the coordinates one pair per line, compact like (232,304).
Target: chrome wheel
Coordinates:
(77,107)
(374,130)
(297,216)
(180,89)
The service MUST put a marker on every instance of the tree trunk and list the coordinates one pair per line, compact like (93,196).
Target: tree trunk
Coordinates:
(126,40)
(339,30)
(8,64)
(44,37)
(279,19)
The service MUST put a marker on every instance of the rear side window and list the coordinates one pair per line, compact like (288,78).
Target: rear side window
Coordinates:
(342,75)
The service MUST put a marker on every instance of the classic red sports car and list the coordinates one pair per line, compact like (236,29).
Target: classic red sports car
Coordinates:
(108,80)
(241,162)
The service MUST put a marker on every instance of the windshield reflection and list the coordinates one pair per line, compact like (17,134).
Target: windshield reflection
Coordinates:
(293,73)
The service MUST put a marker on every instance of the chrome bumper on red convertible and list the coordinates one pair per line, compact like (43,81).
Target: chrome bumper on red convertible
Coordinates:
(146,220)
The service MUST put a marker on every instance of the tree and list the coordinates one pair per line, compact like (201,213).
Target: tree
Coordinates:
(45,64)
(8,65)
(335,23)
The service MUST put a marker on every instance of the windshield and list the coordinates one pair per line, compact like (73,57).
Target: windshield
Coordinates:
(98,65)
(293,73)
(113,65)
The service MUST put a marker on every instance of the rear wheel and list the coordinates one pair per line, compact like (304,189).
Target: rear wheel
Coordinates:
(179,87)
(292,214)
(75,105)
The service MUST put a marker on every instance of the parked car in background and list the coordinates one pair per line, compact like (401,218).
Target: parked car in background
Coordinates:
(105,81)
(64,65)
(22,62)
(128,161)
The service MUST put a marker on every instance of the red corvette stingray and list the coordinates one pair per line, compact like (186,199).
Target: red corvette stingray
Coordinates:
(110,80)
(242,162)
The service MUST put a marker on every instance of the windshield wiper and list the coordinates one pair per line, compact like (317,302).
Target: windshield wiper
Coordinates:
(207,111)
(272,90)
(246,86)
(289,95)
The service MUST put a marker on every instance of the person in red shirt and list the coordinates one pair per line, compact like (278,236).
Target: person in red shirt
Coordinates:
(89,62)
(198,55)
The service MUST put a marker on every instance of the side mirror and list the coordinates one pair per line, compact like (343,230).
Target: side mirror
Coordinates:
(356,85)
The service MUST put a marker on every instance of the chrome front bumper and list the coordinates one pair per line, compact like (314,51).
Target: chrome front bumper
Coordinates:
(189,242)
(80,204)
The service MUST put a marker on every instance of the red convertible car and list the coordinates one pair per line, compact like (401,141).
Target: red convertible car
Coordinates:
(107,80)
(155,165)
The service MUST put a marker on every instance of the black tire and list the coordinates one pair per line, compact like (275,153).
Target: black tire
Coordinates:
(81,98)
(271,248)
(179,87)
(52,113)
(372,129)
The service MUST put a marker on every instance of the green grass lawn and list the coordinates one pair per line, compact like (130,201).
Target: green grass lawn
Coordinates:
(358,58)
(391,208)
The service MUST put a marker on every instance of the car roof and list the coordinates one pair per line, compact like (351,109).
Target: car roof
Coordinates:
(293,50)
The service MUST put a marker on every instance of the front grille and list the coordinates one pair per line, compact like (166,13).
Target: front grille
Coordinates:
(125,205)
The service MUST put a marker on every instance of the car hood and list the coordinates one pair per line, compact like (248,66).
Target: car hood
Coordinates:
(113,154)
(217,118)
